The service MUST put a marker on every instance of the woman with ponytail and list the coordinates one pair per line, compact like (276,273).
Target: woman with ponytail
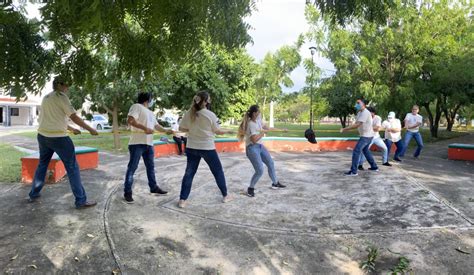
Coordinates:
(252,130)
(202,126)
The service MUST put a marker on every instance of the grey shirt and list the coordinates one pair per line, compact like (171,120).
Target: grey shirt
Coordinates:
(366,128)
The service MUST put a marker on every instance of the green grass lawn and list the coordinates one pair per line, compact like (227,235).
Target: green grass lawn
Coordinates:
(104,141)
(10,164)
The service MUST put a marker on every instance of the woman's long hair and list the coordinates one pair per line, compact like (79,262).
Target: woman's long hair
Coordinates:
(197,104)
(245,120)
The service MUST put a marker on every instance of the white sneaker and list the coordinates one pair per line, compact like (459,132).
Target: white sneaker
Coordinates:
(227,198)
(181,203)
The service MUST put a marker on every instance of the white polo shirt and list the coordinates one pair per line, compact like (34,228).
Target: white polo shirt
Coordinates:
(202,130)
(376,122)
(411,120)
(145,117)
(393,123)
(365,129)
(56,108)
(253,128)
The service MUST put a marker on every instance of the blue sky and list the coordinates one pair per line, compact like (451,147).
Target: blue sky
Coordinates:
(277,23)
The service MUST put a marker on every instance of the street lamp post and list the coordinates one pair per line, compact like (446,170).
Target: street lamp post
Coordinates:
(313,51)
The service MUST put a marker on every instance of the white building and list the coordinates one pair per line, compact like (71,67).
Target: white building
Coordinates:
(14,113)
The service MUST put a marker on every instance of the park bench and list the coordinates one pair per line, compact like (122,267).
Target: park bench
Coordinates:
(87,158)
(459,151)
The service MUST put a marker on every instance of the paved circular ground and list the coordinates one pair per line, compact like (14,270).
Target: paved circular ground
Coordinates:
(320,205)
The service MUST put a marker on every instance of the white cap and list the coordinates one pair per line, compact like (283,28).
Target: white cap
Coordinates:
(391,115)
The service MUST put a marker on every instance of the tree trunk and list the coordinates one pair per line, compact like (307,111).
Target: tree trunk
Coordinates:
(115,127)
(343,120)
(434,120)
(451,116)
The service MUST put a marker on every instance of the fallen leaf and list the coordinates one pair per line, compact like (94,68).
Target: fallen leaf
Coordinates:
(33,266)
(115,271)
(285,263)
(90,236)
(170,253)
(14,257)
(76,259)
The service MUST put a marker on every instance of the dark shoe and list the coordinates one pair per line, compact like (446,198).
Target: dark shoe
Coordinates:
(251,192)
(350,174)
(360,167)
(128,198)
(278,185)
(87,205)
(158,191)
(397,159)
(387,164)
(375,169)
(32,200)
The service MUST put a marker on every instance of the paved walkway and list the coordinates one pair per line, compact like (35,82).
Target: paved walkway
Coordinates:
(322,223)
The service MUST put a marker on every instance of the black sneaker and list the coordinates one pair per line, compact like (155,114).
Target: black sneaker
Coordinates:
(387,164)
(278,185)
(87,204)
(360,167)
(159,191)
(128,198)
(397,159)
(32,200)
(350,174)
(251,192)
(375,169)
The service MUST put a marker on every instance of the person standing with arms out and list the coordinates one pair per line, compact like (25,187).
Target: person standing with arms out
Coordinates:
(179,137)
(364,125)
(143,123)
(52,138)
(377,140)
(201,125)
(413,121)
(393,134)
(252,130)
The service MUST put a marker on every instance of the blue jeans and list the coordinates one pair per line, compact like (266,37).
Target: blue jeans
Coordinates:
(193,158)
(362,147)
(419,141)
(399,145)
(378,141)
(64,147)
(258,155)
(137,151)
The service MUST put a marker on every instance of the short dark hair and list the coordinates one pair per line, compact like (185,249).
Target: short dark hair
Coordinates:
(142,97)
(363,100)
(371,109)
(59,80)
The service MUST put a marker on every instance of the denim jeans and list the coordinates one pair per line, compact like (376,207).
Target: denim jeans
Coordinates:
(399,145)
(179,141)
(137,151)
(378,141)
(362,147)
(64,147)
(258,155)
(419,141)
(193,158)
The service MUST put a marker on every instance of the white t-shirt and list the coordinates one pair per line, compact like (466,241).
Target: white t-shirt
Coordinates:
(202,130)
(145,117)
(376,122)
(411,120)
(392,124)
(54,115)
(175,128)
(253,128)
(366,128)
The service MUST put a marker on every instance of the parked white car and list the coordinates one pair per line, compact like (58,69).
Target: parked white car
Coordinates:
(98,122)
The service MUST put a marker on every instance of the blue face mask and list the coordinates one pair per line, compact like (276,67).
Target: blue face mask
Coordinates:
(358,107)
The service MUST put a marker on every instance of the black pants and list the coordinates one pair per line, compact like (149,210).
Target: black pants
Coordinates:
(179,141)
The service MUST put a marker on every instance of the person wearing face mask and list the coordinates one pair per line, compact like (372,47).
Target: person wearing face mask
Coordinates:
(393,134)
(364,125)
(253,130)
(143,123)
(413,121)
(377,140)
(53,138)
(201,125)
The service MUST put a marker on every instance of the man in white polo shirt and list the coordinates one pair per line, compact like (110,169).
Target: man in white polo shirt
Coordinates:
(377,140)
(413,121)
(393,134)
(53,138)
(143,123)
(364,125)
